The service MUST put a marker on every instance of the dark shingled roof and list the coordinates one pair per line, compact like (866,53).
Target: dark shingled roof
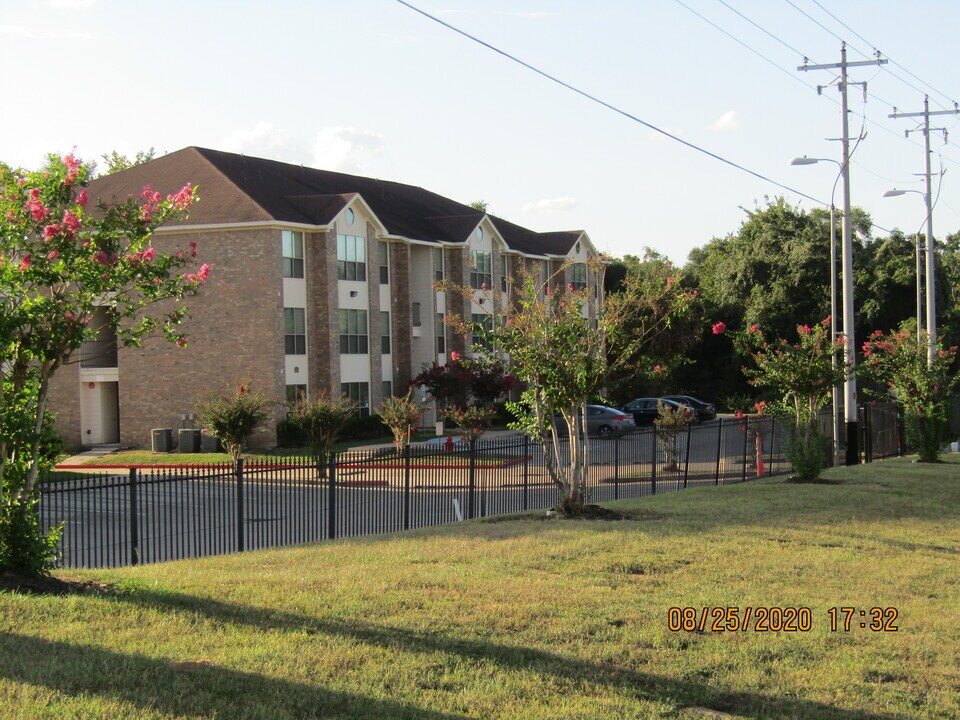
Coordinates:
(237,189)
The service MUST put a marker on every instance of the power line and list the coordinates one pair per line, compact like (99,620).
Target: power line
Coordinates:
(605,104)
(892,62)
(762,29)
(740,42)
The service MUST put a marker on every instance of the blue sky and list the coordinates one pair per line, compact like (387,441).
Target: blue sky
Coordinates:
(373,88)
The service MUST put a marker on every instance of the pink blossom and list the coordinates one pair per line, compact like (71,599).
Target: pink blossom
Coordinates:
(570,286)
(193,249)
(754,328)
(826,320)
(657,369)
(25,263)
(739,414)
(720,328)
(936,389)
(71,220)
(804,329)
(483,286)
(101,258)
(181,342)
(49,231)
(454,355)
(53,255)
(34,193)
(182,200)
(203,272)
(148,254)
(82,198)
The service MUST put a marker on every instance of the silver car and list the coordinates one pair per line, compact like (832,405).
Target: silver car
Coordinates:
(602,421)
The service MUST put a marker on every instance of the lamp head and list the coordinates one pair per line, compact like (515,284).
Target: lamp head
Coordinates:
(804,161)
(894,193)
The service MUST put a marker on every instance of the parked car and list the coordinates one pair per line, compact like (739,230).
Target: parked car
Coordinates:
(645,410)
(602,421)
(704,410)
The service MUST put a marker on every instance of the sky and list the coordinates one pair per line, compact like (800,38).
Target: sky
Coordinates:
(374,88)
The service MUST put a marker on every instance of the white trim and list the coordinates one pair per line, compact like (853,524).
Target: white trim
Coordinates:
(257,225)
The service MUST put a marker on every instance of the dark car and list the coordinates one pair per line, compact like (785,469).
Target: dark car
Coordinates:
(602,421)
(704,410)
(645,410)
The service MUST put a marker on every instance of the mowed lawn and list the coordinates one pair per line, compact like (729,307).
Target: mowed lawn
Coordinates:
(524,617)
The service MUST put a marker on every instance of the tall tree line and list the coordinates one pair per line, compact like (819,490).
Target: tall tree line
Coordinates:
(774,272)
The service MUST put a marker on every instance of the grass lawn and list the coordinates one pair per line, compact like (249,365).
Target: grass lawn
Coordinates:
(524,617)
(147,457)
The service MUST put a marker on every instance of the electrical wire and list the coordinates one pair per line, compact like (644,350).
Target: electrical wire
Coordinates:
(782,69)
(892,62)
(607,105)
(762,29)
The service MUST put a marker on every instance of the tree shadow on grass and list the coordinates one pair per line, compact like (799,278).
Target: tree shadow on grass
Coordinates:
(184,689)
(522,659)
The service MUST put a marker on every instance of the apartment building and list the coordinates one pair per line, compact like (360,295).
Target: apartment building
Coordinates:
(319,281)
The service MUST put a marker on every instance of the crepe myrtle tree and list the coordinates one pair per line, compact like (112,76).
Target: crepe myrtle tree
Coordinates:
(564,353)
(898,361)
(802,374)
(60,262)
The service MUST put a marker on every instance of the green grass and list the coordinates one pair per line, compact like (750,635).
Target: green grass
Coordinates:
(529,618)
(146,457)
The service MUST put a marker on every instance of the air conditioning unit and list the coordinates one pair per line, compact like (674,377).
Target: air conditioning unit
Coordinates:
(162,440)
(189,440)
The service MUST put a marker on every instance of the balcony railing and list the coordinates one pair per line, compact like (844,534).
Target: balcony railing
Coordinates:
(99,353)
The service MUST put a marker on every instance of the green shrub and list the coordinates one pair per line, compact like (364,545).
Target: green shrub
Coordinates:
(24,547)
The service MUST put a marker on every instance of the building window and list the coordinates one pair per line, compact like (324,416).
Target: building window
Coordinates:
(387,389)
(481,274)
(503,273)
(384,264)
(441,335)
(359,392)
(353,332)
(294,331)
(296,394)
(384,333)
(486,322)
(578,276)
(415,314)
(351,257)
(438,264)
(292,254)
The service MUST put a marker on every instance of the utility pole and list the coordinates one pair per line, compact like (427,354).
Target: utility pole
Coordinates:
(931,282)
(850,384)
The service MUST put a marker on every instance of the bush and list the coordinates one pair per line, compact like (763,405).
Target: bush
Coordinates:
(232,418)
(805,453)
(290,434)
(370,427)
(24,548)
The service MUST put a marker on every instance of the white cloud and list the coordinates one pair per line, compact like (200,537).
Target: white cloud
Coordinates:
(550,205)
(728,122)
(346,149)
(268,141)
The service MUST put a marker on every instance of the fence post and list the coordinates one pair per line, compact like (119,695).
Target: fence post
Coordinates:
(686,464)
(472,475)
(526,467)
(134,520)
(746,446)
(901,432)
(653,465)
(406,487)
(238,471)
(332,497)
(616,468)
(716,480)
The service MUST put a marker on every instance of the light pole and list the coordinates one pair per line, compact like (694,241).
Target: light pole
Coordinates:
(835,395)
(931,281)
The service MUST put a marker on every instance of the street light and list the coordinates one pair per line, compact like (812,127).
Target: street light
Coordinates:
(835,411)
(898,193)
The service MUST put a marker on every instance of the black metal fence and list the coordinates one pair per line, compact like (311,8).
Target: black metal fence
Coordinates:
(150,515)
